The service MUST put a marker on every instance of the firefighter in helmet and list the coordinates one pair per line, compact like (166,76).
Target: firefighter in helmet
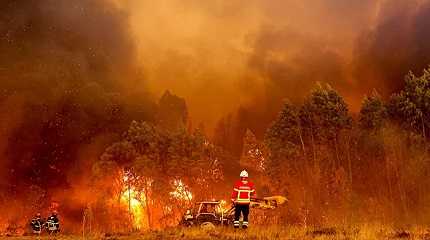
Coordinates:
(53,223)
(241,196)
(37,223)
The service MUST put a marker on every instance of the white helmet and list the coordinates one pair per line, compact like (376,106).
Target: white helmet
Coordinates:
(244,173)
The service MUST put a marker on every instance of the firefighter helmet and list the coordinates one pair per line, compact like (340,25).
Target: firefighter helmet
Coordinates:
(244,173)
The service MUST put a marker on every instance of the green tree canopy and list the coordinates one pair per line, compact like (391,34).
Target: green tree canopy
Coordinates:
(411,107)
(325,113)
(283,136)
(373,113)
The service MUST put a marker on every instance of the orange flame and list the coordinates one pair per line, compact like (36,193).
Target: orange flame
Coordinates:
(181,191)
(132,199)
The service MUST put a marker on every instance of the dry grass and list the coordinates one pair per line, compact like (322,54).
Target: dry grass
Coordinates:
(263,233)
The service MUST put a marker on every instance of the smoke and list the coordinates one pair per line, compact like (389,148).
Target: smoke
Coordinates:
(290,70)
(398,44)
(70,83)
(244,50)
(255,53)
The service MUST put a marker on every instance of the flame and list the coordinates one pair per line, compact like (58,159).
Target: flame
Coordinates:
(132,199)
(3,226)
(181,191)
(223,206)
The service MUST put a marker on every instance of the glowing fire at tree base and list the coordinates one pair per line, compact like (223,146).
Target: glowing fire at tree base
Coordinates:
(131,200)
(134,200)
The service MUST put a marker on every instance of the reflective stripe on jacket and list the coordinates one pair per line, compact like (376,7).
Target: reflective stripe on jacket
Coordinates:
(243,191)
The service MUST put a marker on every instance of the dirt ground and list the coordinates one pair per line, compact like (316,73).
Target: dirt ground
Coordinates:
(258,233)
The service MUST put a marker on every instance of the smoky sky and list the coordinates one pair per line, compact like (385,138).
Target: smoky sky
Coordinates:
(264,51)
(69,81)
(398,44)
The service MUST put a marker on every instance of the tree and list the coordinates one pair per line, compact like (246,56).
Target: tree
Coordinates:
(369,146)
(145,170)
(323,116)
(158,161)
(121,153)
(253,153)
(285,131)
(407,147)
(284,143)
(325,113)
(373,113)
(411,107)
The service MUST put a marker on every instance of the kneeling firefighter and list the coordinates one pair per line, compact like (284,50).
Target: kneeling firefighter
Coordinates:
(243,191)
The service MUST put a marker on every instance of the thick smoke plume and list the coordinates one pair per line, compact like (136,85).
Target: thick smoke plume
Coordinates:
(398,44)
(255,53)
(68,80)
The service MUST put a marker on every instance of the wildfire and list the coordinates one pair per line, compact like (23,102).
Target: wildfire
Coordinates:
(133,199)
(223,206)
(181,191)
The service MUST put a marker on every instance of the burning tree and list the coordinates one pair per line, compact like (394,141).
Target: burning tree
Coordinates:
(162,171)
(253,153)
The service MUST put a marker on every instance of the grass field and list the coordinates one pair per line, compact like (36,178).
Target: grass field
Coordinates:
(260,233)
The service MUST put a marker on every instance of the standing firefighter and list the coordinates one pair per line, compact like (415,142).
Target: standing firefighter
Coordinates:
(243,191)
(53,223)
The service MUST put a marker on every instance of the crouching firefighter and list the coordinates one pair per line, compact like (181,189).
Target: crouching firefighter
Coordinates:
(37,224)
(243,191)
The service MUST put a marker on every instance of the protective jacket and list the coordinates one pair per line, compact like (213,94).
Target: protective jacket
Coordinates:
(36,224)
(243,191)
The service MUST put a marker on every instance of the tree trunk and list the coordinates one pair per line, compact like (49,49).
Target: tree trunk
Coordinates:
(148,208)
(313,146)
(336,149)
(423,127)
(402,193)
(349,160)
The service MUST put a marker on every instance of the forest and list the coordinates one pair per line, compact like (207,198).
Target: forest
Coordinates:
(334,167)
(120,115)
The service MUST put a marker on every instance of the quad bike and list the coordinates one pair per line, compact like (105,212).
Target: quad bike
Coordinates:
(208,214)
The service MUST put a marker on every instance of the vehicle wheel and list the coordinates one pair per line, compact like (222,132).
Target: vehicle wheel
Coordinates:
(186,223)
(207,226)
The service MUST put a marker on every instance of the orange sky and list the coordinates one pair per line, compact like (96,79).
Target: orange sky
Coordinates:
(201,50)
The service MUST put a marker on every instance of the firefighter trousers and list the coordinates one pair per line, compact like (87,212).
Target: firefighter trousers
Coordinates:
(241,209)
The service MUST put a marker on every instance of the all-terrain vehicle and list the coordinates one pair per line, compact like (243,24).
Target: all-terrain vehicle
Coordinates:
(208,214)
(213,213)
